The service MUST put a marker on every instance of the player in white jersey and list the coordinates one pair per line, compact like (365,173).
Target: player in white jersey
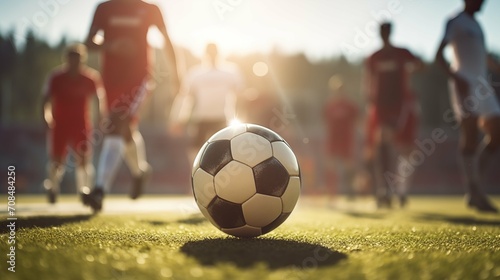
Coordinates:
(473,99)
(207,99)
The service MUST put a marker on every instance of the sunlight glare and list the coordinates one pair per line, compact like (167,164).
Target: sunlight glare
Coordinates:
(260,69)
(234,122)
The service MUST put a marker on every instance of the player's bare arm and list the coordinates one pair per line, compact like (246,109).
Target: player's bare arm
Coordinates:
(460,82)
(171,57)
(91,44)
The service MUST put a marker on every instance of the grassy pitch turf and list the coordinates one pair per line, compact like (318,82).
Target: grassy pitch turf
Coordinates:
(435,238)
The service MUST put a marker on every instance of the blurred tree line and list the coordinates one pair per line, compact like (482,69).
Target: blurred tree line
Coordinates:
(23,71)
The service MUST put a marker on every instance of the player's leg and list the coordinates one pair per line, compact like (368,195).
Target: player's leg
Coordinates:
(490,144)
(468,144)
(109,161)
(487,150)
(110,157)
(385,164)
(405,138)
(404,179)
(84,172)
(55,172)
(135,157)
(55,168)
(135,150)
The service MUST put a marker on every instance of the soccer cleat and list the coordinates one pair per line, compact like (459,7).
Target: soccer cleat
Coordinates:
(93,198)
(481,203)
(51,192)
(139,183)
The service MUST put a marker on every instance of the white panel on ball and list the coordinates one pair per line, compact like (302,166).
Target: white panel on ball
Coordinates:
(204,188)
(291,195)
(261,210)
(228,133)
(250,148)
(196,163)
(244,231)
(285,155)
(235,182)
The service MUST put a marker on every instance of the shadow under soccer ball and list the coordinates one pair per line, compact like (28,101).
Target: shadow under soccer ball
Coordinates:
(246,253)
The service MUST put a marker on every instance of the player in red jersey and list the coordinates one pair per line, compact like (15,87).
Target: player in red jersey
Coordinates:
(341,114)
(69,90)
(392,114)
(125,70)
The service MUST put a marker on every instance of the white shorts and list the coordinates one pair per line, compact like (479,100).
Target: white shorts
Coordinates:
(481,102)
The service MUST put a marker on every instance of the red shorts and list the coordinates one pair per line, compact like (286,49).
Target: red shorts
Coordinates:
(75,137)
(125,99)
(405,128)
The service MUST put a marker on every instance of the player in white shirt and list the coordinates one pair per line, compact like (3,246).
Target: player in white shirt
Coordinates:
(207,99)
(473,99)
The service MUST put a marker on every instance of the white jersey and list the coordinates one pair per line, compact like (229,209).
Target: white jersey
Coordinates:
(466,37)
(209,94)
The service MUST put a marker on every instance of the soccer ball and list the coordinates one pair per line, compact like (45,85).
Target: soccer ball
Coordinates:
(246,180)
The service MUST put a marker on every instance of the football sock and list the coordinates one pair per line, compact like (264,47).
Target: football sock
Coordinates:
(81,178)
(469,167)
(402,186)
(56,172)
(135,154)
(109,161)
(90,170)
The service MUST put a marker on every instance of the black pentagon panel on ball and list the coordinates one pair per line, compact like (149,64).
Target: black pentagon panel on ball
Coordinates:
(271,177)
(274,224)
(270,135)
(217,154)
(226,214)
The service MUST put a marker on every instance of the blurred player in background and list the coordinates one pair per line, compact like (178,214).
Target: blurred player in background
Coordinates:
(341,115)
(391,118)
(126,72)
(473,99)
(66,113)
(207,99)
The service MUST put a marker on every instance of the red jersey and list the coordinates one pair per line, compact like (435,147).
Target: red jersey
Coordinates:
(70,96)
(389,77)
(126,21)
(340,115)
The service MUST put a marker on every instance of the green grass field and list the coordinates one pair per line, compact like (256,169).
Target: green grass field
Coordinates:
(435,238)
